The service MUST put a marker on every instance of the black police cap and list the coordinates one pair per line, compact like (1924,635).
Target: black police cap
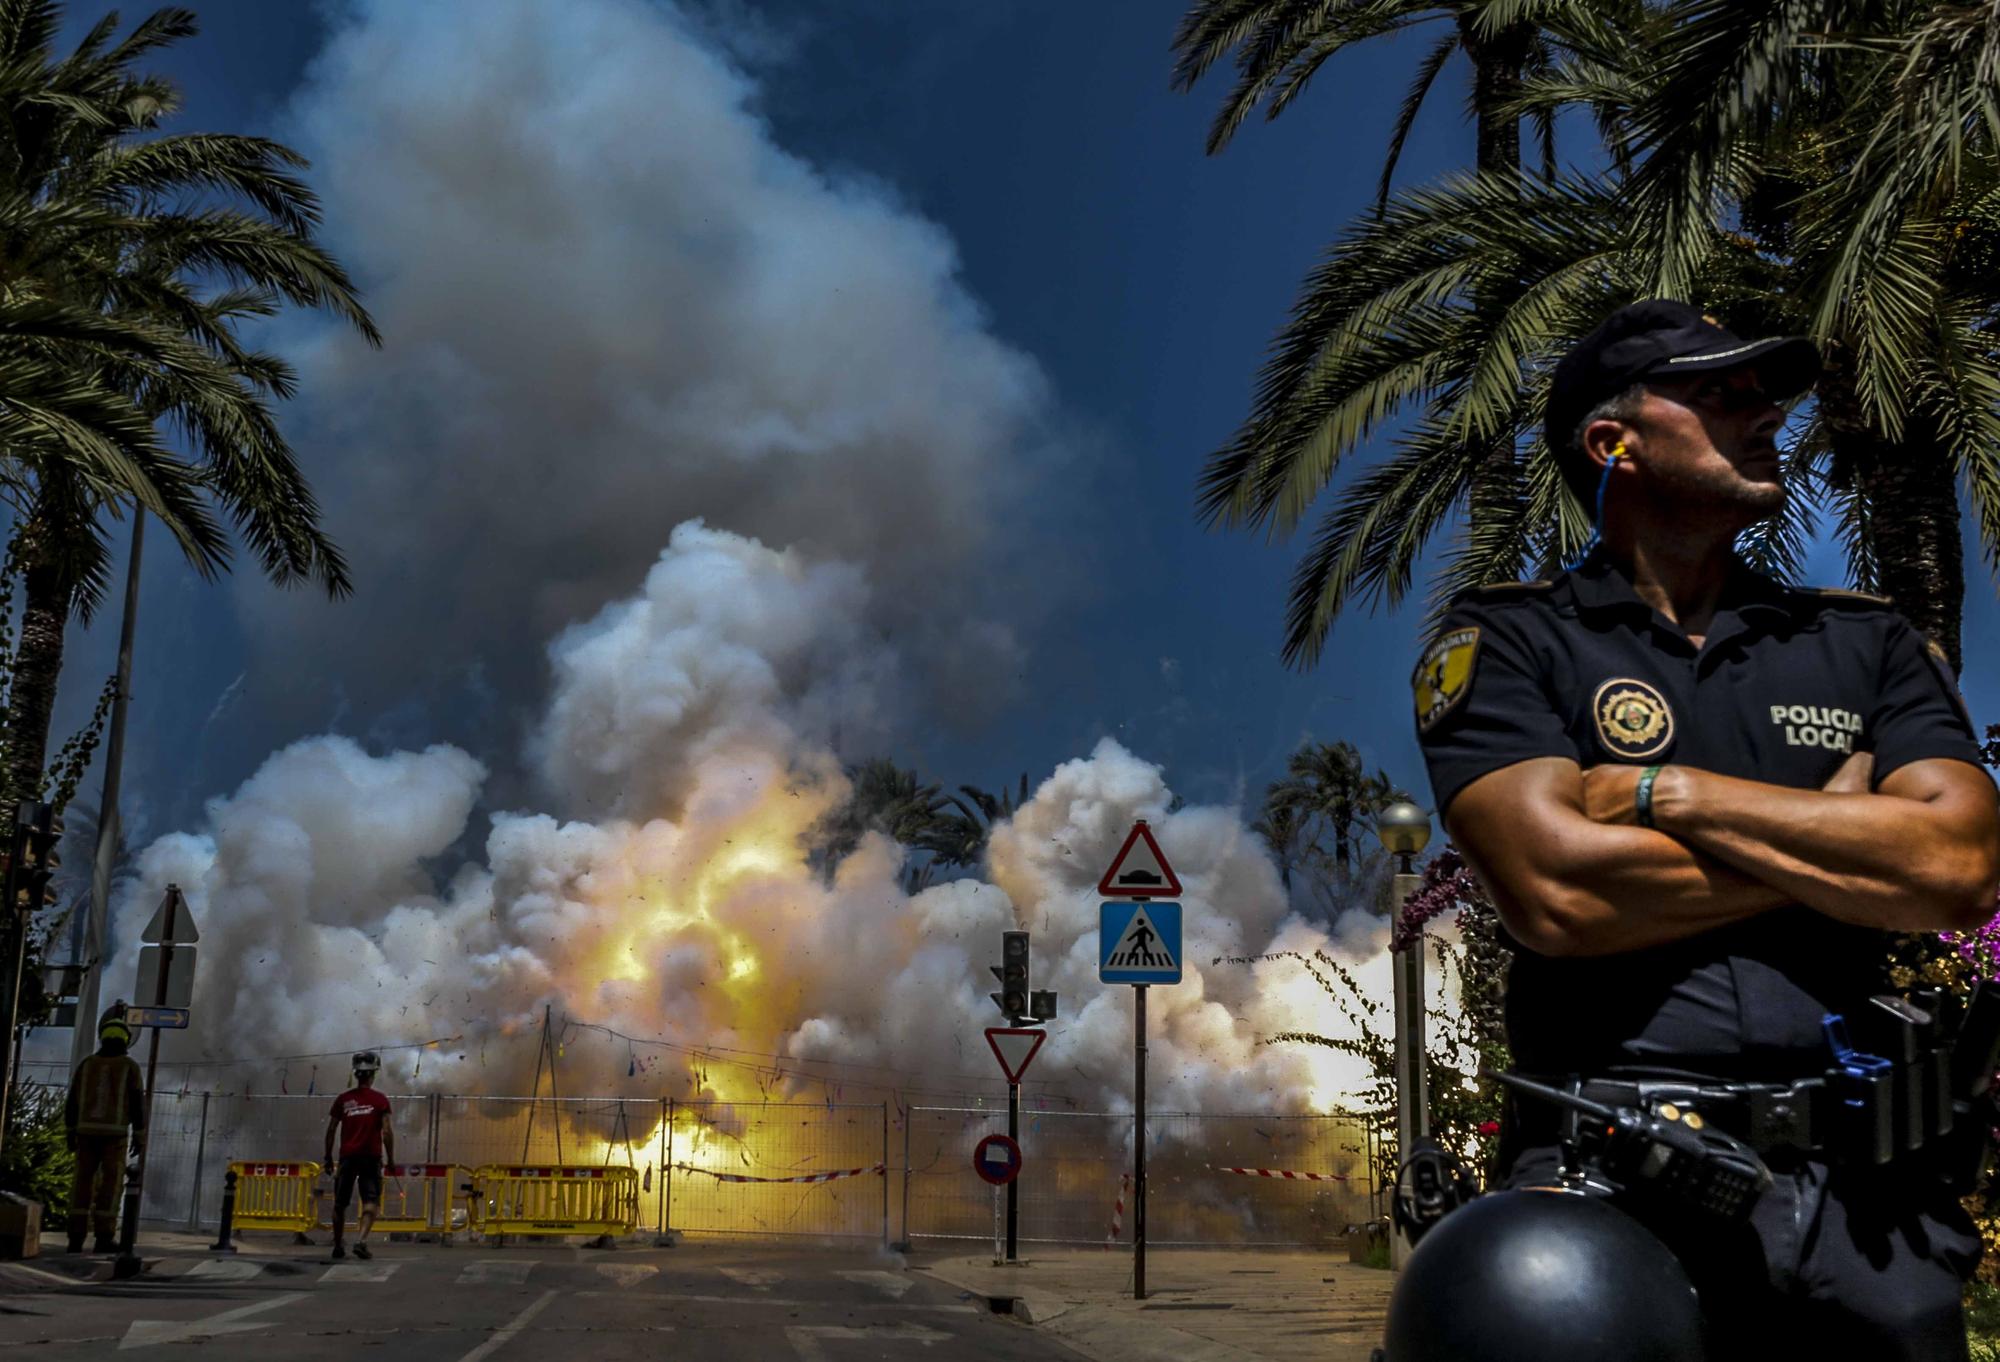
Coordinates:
(1661,338)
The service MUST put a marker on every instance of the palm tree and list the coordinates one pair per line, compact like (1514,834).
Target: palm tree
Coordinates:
(1448,307)
(1863,141)
(959,839)
(1326,795)
(174,239)
(882,797)
(1281,44)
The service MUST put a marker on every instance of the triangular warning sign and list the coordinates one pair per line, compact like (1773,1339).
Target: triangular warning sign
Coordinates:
(1140,869)
(1015,1047)
(1140,946)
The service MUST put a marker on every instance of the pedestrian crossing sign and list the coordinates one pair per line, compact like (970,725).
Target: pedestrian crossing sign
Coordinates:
(1139,943)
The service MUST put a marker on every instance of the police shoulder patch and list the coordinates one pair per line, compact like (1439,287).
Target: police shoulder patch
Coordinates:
(1444,674)
(1633,719)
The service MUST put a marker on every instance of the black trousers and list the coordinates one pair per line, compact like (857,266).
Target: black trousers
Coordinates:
(1833,1262)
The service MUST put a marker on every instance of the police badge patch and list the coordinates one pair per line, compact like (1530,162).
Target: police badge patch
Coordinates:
(1444,675)
(1633,720)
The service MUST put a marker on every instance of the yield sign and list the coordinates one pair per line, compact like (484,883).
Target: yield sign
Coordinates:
(181,933)
(1015,1047)
(1140,869)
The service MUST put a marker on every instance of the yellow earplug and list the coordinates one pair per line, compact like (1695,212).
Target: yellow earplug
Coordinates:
(1617,452)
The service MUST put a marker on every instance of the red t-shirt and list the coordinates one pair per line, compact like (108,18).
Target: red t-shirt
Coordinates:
(361,1112)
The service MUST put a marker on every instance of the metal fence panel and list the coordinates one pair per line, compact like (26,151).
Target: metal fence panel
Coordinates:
(741,1168)
(713,1143)
(1074,1164)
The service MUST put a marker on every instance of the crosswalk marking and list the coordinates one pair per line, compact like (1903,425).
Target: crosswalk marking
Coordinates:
(358,1272)
(513,1273)
(151,1333)
(757,1279)
(226,1269)
(891,1284)
(625,1274)
(805,1338)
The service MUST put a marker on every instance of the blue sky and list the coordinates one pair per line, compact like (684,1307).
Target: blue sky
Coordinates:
(1142,276)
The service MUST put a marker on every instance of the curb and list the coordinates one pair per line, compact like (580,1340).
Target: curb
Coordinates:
(1029,1306)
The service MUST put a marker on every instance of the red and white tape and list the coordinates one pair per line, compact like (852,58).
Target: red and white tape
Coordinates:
(810,1177)
(1118,1211)
(1288,1174)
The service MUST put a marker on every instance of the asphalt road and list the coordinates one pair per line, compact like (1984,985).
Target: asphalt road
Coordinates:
(475,1303)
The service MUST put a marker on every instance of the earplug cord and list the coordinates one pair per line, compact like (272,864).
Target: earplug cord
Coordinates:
(1597,529)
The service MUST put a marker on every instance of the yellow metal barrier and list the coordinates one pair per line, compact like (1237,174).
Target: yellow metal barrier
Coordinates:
(556,1199)
(276,1196)
(416,1199)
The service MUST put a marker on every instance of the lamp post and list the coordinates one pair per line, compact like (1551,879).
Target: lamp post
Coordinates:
(1405,830)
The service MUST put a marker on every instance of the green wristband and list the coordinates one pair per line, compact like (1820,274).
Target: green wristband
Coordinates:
(1642,797)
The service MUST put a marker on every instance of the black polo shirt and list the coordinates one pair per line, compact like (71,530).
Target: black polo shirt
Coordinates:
(1787,683)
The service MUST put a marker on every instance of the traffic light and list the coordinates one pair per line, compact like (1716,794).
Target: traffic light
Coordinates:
(32,860)
(1012,972)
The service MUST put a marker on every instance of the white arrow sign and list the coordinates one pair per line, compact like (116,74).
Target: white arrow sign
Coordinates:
(1015,1047)
(149,1333)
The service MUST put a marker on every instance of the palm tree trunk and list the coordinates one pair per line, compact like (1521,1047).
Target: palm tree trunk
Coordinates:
(1496,79)
(37,665)
(1912,493)
(1494,490)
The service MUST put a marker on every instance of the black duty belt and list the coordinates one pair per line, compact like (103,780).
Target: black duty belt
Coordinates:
(1800,1116)
(1868,1117)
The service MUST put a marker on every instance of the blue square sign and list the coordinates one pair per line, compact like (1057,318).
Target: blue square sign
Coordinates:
(1139,942)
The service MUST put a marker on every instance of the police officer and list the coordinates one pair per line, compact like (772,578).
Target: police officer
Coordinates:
(1702,802)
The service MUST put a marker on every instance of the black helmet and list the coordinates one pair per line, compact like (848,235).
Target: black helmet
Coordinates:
(1542,1276)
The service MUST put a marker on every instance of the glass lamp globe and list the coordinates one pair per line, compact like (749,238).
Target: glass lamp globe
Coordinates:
(1404,828)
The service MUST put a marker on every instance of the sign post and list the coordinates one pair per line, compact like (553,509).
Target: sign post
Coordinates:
(1015,1047)
(1139,943)
(168,974)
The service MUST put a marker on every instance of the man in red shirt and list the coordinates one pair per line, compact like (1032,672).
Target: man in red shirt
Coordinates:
(361,1117)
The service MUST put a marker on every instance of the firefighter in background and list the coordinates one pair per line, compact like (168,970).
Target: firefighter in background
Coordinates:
(107,1099)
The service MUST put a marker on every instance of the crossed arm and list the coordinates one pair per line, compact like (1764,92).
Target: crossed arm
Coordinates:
(1572,873)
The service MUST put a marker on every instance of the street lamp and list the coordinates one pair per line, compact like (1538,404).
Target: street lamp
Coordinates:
(1405,830)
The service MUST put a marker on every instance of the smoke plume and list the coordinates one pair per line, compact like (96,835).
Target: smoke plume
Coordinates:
(690,720)
(613,303)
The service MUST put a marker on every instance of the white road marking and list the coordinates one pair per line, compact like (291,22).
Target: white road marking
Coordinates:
(486,1274)
(625,1274)
(894,1285)
(755,1278)
(147,1333)
(805,1337)
(512,1327)
(782,1303)
(358,1272)
(226,1269)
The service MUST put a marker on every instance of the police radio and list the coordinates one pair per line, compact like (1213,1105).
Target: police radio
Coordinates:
(1669,1151)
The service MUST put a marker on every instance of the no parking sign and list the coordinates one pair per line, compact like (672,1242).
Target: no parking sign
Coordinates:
(997,1159)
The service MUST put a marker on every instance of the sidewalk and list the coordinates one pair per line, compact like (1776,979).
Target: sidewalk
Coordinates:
(1218,1305)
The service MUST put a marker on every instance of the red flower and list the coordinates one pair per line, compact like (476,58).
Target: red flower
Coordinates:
(1489,1127)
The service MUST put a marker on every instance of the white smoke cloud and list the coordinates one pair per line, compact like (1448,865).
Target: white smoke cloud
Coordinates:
(613,302)
(688,912)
